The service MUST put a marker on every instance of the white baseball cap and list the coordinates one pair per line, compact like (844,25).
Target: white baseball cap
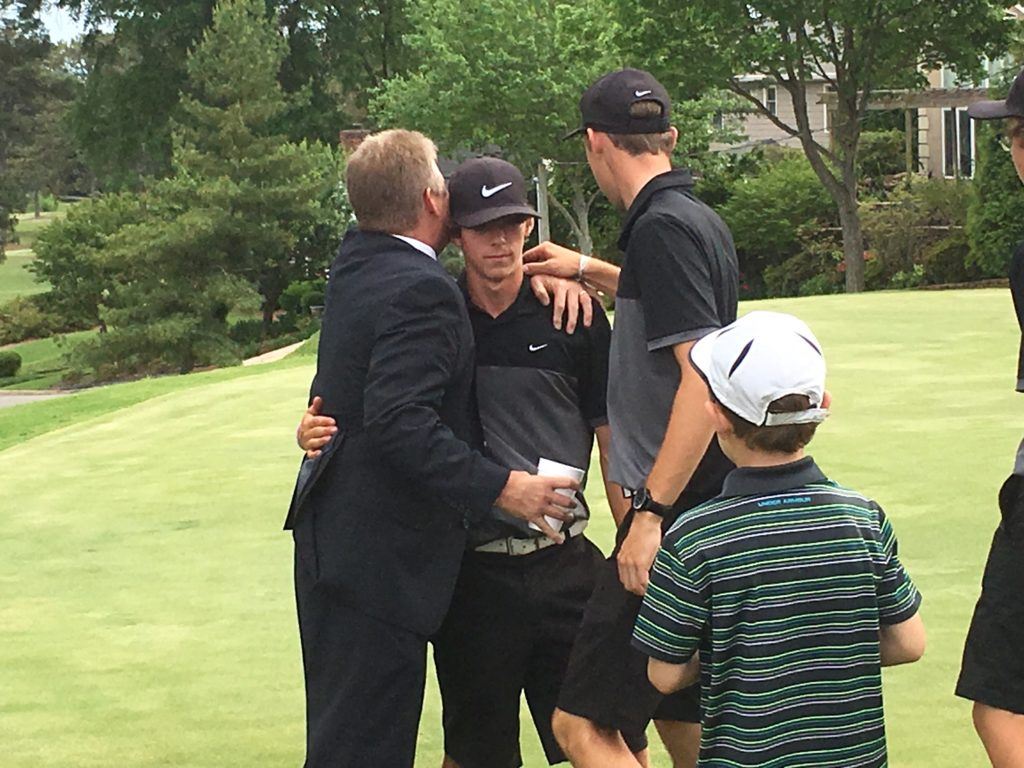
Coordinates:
(758,359)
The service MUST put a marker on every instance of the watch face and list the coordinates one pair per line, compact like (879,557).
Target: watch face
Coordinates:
(640,499)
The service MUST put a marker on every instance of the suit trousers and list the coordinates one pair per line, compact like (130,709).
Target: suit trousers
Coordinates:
(364,682)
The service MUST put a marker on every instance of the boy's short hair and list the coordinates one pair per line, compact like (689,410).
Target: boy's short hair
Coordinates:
(783,438)
(638,144)
(1015,129)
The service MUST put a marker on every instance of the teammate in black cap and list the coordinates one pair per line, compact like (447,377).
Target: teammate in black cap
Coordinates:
(679,282)
(992,673)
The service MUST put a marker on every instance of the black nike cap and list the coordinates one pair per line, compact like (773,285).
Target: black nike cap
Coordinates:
(1013,106)
(605,105)
(484,189)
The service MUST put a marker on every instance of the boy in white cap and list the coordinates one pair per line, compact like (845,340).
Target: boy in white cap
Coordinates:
(784,594)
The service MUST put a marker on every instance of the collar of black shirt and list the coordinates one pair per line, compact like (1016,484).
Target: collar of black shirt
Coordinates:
(523,299)
(757,481)
(677,177)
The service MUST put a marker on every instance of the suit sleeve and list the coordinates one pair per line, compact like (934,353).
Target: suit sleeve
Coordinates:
(413,360)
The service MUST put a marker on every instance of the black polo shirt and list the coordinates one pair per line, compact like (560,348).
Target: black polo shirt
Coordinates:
(1017,291)
(541,393)
(679,282)
(781,584)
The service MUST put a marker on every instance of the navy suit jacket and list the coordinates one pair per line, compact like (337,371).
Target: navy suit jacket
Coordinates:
(380,516)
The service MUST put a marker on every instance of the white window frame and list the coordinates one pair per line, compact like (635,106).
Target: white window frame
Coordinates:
(771,100)
(974,142)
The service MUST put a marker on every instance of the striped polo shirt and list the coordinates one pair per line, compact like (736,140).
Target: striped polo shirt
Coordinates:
(781,584)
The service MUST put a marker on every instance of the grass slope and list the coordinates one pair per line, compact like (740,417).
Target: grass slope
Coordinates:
(148,615)
(15,279)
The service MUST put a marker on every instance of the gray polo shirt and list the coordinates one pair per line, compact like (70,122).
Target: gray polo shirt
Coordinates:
(679,282)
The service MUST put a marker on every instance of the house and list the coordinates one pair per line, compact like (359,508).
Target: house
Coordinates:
(937,122)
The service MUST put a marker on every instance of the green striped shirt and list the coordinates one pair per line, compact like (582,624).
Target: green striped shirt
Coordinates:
(781,584)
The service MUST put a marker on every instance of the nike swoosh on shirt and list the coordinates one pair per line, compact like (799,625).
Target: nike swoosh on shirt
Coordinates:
(486,191)
(537,348)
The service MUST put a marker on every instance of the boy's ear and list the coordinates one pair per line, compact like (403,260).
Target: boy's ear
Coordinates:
(718,419)
(528,228)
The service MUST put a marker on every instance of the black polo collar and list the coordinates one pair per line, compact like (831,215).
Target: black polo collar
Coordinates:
(525,299)
(758,481)
(679,177)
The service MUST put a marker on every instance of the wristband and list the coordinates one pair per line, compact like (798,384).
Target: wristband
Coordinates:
(583,265)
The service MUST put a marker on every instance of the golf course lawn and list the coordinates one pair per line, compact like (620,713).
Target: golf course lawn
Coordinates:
(147,616)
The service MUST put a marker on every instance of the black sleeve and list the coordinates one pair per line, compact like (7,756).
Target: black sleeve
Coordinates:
(594,376)
(1017,291)
(413,360)
(674,276)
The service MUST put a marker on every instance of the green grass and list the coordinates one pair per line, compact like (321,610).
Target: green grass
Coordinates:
(42,361)
(15,279)
(148,618)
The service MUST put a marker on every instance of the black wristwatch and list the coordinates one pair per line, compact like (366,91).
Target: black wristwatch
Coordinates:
(642,501)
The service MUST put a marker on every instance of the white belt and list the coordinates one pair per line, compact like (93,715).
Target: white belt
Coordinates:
(515,546)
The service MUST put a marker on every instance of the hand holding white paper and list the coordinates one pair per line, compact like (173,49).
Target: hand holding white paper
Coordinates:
(549,468)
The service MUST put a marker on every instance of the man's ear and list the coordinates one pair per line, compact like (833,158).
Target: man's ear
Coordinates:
(528,228)
(432,203)
(596,141)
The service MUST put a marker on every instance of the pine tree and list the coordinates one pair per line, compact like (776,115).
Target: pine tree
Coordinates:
(225,231)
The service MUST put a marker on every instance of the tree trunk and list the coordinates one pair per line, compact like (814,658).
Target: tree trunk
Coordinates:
(38,208)
(853,245)
(581,208)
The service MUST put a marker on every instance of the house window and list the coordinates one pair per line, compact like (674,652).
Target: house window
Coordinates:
(957,143)
(718,121)
(771,100)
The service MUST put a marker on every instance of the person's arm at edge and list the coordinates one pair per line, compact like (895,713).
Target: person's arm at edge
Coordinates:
(902,643)
(686,439)
(669,678)
(618,503)
(559,261)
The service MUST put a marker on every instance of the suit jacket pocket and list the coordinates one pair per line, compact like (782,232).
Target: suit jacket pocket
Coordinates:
(310,471)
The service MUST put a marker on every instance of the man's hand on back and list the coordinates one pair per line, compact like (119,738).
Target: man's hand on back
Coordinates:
(531,497)
(315,431)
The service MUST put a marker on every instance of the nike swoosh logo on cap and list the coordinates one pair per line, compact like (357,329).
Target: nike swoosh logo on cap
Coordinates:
(641,94)
(486,191)
(537,348)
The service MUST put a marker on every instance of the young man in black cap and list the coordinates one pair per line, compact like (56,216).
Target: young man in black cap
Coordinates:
(541,393)
(992,674)
(678,282)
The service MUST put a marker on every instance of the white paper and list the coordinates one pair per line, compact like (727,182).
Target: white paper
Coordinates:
(549,468)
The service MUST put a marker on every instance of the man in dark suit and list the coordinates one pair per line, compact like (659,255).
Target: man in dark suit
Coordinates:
(379,517)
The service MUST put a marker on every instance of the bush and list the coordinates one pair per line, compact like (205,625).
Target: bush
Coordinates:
(10,364)
(881,154)
(918,237)
(995,218)
(769,214)
(24,318)
(814,270)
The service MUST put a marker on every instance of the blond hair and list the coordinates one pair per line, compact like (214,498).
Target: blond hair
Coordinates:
(386,177)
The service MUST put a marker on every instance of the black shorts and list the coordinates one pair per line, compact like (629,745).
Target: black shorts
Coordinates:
(509,631)
(992,671)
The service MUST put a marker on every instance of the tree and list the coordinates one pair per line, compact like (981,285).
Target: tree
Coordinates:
(24,48)
(856,46)
(506,77)
(231,228)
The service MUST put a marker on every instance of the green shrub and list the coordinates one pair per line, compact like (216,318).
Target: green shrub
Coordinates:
(995,218)
(25,318)
(918,238)
(768,213)
(881,154)
(10,364)
(815,269)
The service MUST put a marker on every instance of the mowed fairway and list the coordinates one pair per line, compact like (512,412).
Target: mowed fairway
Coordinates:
(147,616)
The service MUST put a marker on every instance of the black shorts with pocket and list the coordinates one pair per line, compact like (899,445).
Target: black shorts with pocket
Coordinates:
(992,671)
(509,631)
(607,680)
